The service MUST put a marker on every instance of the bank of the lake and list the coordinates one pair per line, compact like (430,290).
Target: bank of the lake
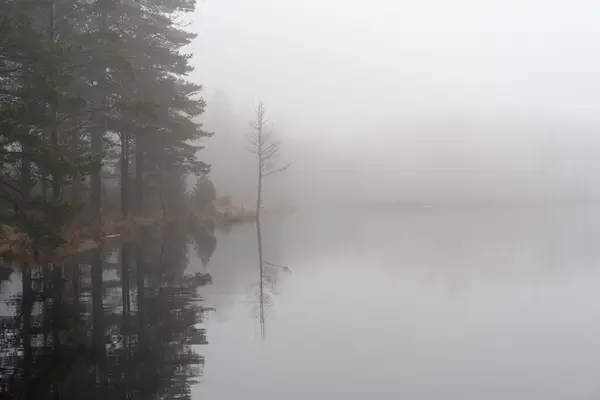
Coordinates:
(17,245)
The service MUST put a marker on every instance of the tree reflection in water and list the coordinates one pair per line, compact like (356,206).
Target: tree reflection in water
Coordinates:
(268,278)
(111,328)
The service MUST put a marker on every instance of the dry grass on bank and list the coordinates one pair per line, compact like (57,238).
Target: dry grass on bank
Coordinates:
(15,245)
(225,211)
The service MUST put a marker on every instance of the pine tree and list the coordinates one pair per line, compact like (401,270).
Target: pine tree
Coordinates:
(90,85)
(162,152)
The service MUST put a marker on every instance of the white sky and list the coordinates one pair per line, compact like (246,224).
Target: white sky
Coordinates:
(360,74)
(329,59)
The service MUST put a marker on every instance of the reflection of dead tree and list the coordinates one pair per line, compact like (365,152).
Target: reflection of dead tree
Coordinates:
(265,290)
(266,149)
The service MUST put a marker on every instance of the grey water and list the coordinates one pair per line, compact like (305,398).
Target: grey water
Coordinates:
(421,303)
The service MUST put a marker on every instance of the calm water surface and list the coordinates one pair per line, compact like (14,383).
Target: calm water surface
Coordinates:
(420,304)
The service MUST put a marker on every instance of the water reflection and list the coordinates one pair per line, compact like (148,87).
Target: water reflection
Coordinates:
(492,304)
(268,277)
(205,242)
(486,304)
(122,323)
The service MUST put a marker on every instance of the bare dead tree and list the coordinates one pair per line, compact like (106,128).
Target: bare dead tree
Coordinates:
(264,145)
(266,148)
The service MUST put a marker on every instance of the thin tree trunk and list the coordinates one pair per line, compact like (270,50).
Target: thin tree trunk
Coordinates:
(54,133)
(162,200)
(259,194)
(98,136)
(44,178)
(56,176)
(95,182)
(259,237)
(25,180)
(76,185)
(124,175)
(139,175)
(25,176)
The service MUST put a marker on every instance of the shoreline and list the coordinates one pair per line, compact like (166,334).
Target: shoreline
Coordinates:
(17,246)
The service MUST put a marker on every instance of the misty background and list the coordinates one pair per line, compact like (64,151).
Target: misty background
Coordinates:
(412,101)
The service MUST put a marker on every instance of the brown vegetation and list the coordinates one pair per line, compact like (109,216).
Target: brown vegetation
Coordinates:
(78,239)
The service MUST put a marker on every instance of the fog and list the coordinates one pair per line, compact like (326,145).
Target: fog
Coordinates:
(408,100)
(469,127)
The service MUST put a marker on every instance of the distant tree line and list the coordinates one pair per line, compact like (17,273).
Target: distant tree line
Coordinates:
(92,90)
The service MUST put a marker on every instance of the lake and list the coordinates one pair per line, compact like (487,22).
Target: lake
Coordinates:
(436,303)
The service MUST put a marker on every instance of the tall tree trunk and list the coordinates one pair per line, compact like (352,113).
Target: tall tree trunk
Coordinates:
(260,168)
(124,175)
(98,136)
(54,133)
(259,236)
(139,174)
(25,175)
(44,177)
(259,194)
(25,180)
(95,182)
(162,199)
(56,176)
(76,185)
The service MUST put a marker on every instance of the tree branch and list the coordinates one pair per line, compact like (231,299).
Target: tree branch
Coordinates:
(286,166)
(283,267)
